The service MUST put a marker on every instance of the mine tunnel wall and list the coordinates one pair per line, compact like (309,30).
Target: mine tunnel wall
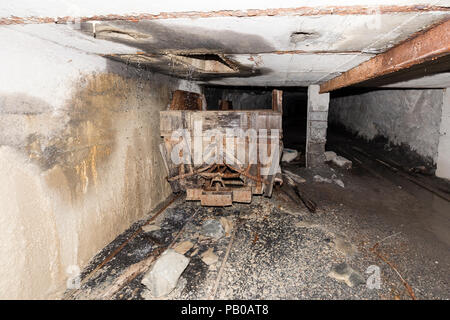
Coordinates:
(410,117)
(79,159)
(242,99)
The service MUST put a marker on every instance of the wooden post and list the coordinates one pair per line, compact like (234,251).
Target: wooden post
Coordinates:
(277,100)
(225,105)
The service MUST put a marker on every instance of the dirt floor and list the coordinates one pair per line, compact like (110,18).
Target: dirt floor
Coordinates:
(383,216)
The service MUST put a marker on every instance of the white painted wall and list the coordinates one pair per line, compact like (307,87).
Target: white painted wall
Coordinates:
(412,117)
(34,52)
(443,158)
(79,157)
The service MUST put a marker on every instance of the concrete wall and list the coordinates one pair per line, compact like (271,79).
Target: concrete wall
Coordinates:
(411,117)
(79,158)
(443,158)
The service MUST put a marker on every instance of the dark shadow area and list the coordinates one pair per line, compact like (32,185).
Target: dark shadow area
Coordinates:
(238,98)
(294,118)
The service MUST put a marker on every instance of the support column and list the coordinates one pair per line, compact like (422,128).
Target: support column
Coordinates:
(317,122)
(443,158)
(277,100)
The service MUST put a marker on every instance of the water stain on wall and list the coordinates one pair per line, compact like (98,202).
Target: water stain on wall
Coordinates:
(96,162)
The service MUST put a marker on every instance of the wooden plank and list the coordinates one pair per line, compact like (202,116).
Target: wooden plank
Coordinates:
(216,199)
(171,120)
(427,46)
(193,194)
(242,195)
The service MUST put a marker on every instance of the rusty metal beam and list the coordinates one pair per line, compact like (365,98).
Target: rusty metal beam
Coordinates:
(300,11)
(429,45)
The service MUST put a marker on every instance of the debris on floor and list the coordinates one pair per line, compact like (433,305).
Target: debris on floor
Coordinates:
(212,228)
(334,179)
(209,257)
(183,247)
(293,176)
(318,178)
(420,169)
(331,156)
(150,228)
(339,182)
(309,204)
(344,246)
(227,225)
(260,251)
(342,162)
(289,155)
(163,276)
(343,272)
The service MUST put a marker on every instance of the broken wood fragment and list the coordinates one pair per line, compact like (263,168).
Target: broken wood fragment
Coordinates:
(128,275)
(309,204)
(115,252)
(294,176)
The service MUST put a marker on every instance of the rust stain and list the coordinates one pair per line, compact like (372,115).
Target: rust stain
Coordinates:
(299,11)
(89,137)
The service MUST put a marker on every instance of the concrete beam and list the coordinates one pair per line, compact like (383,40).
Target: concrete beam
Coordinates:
(443,159)
(427,46)
(317,123)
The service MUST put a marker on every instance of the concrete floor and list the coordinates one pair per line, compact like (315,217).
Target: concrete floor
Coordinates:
(282,251)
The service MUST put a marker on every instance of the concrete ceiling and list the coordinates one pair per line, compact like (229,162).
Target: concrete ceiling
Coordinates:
(268,47)
(300,51)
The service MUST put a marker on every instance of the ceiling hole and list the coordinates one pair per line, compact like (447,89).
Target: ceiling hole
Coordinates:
(299,36)
(206,63)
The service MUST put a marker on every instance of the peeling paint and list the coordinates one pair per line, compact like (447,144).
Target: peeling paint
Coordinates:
(300,11)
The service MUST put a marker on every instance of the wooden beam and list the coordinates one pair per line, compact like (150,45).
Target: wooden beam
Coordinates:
(427,46)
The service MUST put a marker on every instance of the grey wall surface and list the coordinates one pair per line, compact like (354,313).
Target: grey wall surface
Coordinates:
(411,117)
(79,159)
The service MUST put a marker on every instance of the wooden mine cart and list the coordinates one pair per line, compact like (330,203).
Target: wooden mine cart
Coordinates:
(234,177)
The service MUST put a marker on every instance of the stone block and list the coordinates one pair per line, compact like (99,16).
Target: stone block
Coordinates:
(318,116)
